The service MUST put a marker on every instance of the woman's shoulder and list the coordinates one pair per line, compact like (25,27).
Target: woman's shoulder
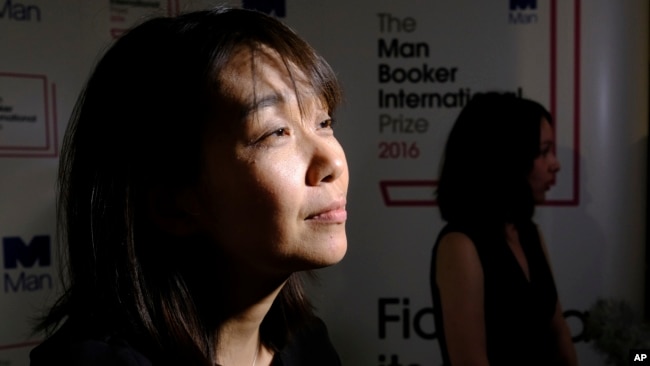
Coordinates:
(462,246)
(481,235)
(310,345)
(69,347)
(456,237)
(471,230)
(457,250)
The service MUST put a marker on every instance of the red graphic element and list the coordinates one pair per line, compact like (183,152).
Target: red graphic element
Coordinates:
(19,345)
(388,187)
(117,32)
(173,8)
(49,149)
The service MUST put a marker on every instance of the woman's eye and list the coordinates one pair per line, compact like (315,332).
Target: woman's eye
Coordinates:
(264,139)
(328,123)
(279,132)
(546,149)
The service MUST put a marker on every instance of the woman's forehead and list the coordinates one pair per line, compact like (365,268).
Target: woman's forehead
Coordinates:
(258,76)
(261,64)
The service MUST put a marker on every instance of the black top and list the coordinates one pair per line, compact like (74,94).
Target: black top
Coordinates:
(518,312)
(310,346)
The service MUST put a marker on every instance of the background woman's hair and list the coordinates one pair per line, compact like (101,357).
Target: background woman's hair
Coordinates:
(487,159)
(138,124)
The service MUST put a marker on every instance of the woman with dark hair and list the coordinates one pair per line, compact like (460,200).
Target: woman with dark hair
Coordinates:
(495,301)
(199,177)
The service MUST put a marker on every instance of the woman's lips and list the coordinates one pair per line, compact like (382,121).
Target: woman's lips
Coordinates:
(333,213)
(549,184)
(338,215)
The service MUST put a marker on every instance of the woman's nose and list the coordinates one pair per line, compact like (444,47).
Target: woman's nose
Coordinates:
(327,162)
(555,164)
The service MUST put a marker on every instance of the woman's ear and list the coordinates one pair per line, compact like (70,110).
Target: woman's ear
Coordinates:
(174,211)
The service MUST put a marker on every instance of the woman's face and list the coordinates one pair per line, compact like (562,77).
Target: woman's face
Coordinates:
(546,165)
(273,189)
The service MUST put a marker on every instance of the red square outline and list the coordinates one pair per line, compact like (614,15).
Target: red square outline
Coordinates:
(50,149)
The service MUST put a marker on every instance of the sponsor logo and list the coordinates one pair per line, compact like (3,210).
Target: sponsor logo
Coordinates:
(523,4)
(28,118)
(523,12)
(20,12)
(271,7)
(27,264)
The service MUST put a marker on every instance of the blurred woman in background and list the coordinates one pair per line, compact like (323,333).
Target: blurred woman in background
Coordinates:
(495,301)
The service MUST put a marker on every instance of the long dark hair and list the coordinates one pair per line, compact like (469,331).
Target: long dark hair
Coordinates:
(487,159)
(138,123)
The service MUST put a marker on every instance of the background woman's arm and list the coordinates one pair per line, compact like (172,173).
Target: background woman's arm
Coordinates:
(564,344)
(459,276)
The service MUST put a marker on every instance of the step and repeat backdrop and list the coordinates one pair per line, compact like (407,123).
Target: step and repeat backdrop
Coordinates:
(407,68)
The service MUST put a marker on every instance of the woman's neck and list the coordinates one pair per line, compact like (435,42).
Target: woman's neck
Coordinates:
(239,341)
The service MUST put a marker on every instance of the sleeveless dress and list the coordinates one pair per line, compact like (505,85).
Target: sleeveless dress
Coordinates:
(518,312)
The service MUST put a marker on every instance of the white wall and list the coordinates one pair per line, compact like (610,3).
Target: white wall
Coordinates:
(587,60)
